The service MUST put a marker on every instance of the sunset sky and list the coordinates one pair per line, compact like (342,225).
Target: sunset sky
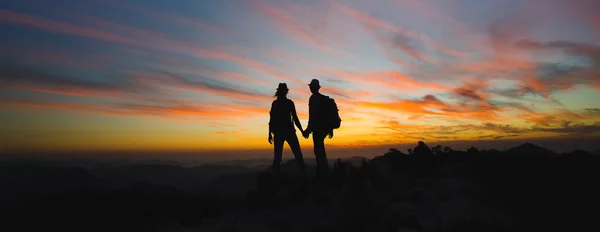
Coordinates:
(111,75)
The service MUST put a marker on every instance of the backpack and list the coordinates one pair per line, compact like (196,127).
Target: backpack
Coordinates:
(331,114)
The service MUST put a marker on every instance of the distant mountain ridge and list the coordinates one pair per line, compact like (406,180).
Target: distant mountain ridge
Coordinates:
(529,148)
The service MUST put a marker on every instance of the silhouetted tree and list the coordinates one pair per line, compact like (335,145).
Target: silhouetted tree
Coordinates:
(447,149)
(438,150)
(422,149)
(394,151)
(472,151)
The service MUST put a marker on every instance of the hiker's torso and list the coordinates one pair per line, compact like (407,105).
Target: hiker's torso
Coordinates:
(316,103)
(281,115)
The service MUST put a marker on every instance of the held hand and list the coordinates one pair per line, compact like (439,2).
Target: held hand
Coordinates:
(305,134)
(270,138)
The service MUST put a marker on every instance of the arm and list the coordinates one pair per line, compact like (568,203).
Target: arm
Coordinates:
(309,128)
(270,127)
(271,119)
(295,117)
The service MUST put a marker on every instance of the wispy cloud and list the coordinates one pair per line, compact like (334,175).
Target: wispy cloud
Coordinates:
(485,131)
(172,46)
(33,80)
(373,23)
(173,110)
(285,16)
(145,91)
(174,19)
(557,117)
(202,85)
(61,27)
(389,79)
(431,105)
(563,77)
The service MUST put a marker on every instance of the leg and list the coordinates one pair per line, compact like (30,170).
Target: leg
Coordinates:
(320,155)
(278,150)
(292,140)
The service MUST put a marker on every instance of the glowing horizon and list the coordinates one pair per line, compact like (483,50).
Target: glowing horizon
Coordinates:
(148,75)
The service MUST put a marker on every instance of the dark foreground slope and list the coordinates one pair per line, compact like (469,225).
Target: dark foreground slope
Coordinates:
(526,188)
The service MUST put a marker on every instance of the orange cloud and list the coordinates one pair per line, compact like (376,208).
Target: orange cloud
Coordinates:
(398,127)
(473,90)
(539,119)
(73,91)
(431,105)
(532,84)
(31,105)
(406,80)
(178,110)
(558,117)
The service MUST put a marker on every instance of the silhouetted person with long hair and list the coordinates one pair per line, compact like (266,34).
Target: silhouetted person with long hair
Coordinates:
(281,128)
(316,126)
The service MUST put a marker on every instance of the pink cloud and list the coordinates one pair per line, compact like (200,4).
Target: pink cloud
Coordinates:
(389,79)
(380,24)
(245,62)
(173,81)
(292,25)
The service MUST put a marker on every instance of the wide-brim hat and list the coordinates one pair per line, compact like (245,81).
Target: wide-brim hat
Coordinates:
(282,86)
(314,82)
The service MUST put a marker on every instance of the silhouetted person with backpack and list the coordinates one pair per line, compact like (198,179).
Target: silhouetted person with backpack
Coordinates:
(281,128)
(323,118)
